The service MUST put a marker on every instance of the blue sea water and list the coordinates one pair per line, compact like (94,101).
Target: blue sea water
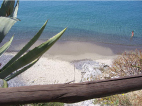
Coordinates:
(91,21)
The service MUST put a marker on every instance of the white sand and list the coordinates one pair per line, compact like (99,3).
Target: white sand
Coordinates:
(48,71)
(45,71)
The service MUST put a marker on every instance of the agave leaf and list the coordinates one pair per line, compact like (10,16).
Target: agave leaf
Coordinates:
(14,14)
(7,7)
(26,47)
(6,46)
(5,25)
(3,83)
(21,70)
(31,55)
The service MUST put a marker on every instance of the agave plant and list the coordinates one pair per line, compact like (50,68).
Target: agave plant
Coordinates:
(21,61)
(8,17)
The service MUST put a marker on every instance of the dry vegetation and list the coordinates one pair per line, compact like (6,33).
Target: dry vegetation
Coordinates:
(129,63)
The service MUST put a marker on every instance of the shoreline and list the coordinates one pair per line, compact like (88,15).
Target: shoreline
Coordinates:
(73,50)
(59,61)
(77,47)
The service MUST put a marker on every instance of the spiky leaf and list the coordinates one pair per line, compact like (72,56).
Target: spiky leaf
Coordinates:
(5,25)
(15,11)
(21,70)
(7,7)
(6,46)
(26,47)
(31,55)
(3,83)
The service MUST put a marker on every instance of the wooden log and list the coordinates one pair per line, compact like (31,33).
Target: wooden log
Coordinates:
(69,93)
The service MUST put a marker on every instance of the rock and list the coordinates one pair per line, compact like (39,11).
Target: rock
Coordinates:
(89,69)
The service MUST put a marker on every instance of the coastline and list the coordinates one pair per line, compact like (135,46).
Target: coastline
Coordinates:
(49,70)
(58,60)
(77,50)
(71,50)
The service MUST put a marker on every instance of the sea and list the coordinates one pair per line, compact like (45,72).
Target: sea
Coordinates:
(87,21)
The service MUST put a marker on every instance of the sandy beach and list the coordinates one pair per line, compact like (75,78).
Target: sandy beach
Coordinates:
(56,66)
